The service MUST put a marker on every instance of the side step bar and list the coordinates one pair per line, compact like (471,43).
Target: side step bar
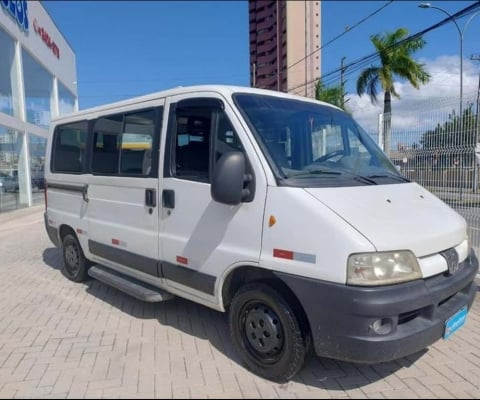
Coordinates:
(133,287)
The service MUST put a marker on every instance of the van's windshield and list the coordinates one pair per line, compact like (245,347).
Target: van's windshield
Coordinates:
(309,144)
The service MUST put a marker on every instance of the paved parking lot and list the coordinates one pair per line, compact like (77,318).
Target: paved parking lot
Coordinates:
(66,340)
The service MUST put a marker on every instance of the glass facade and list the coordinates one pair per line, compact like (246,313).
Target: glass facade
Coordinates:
(66,100)
(38,91)
(37,146)
(14,188)
(8,76)
(35,86)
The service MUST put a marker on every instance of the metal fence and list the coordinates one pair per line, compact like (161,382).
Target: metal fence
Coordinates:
(438,148)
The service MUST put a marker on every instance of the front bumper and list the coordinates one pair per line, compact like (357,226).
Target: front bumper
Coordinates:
(342,317)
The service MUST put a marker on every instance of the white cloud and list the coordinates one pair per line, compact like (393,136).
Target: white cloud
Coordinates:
(439,96)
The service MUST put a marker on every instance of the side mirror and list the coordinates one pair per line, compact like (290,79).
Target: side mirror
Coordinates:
(229,179)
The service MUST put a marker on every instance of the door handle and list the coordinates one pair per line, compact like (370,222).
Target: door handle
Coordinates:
(150,197)
(85,193)
(168,198)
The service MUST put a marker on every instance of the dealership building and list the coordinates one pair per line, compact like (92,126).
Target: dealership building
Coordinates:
(37,83)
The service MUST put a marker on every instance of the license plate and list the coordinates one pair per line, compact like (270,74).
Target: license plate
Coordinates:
(455,322)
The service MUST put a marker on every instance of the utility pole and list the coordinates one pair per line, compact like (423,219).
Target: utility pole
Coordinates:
(342,81)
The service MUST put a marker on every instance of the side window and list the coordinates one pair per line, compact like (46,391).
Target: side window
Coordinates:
(106,144)
(137,141)
(69,147)
(192,143)
(192,148)
(227,138)
(122,144)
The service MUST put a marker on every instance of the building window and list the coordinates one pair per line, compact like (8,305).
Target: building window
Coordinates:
(8,155)
(37,145)
(8,77)
(13,184)
(66,100)
(38,91)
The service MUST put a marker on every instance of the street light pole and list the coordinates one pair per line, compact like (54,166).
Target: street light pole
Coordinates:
(461,33)
(428,5)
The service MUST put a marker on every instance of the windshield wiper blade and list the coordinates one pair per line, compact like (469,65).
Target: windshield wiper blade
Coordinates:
(388,175)
(323,171)
(315,172)
(363,179)
(358,177)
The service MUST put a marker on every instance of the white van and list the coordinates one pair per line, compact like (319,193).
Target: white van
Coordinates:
(277,208)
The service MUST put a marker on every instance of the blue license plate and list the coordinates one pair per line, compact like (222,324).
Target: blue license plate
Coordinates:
(455,322)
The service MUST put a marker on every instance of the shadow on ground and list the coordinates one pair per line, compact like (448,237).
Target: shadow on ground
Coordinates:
(53,258)
(207,324)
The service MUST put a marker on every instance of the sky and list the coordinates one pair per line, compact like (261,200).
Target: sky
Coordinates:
(130,48)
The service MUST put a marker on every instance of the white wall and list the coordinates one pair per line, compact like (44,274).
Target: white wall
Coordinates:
(64,68)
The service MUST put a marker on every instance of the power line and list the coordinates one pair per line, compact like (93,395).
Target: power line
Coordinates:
(339,36)
(360,63)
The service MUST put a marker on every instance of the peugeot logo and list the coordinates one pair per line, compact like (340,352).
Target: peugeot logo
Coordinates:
(451,257)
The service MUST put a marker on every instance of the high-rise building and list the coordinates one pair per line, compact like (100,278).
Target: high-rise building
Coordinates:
(284,45)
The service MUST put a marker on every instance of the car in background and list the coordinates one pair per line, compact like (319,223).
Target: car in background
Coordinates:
(10,183)
(7,183)
(37,179)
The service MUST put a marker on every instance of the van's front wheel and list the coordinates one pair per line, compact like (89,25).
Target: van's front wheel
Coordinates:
(266,332)
(75,265)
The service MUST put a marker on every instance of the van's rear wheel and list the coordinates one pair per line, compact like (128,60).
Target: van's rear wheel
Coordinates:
(266,332)
(75,265)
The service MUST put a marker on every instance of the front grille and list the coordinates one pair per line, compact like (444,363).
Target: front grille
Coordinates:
(408,316)
(445,300)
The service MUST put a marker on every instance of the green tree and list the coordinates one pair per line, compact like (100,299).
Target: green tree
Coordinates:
(333,95)
(452,141)
(395,62)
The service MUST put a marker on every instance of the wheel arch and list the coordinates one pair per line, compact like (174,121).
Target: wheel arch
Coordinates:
(245,274)
(64,230)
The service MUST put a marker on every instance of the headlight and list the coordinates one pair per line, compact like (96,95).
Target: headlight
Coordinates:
(382,268)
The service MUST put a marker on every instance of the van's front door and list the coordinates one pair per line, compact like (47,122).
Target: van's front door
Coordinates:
(200,238)
(122,192)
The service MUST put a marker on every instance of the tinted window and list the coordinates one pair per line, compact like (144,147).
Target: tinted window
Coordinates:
(193,145)
(122,144)
(69,147)
(106,144)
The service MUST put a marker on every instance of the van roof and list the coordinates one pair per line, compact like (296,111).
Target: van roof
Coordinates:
(225,90)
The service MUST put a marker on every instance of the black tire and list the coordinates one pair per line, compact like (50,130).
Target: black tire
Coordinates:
(266,332)
(75,265)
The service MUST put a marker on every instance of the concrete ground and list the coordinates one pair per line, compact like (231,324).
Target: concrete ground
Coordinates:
(66,340)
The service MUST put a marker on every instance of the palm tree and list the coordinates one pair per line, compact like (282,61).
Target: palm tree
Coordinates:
(395,61)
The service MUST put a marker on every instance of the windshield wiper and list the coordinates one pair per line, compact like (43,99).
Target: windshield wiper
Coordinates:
(390,175)
(314,172)
(364,179)
(324,171)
